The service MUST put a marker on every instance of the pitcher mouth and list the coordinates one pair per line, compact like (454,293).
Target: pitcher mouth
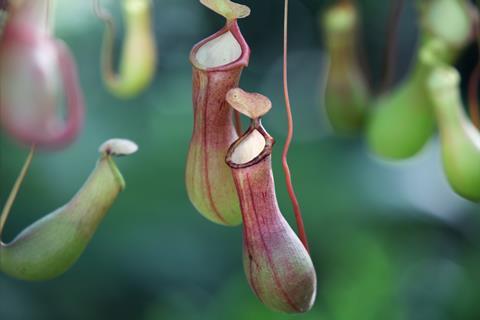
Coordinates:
(224,50)
(251,148)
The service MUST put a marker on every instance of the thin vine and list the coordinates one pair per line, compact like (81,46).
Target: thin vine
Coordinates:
(16,187)
(288,178)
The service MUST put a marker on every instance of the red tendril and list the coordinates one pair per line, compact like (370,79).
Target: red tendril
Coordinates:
(296,207)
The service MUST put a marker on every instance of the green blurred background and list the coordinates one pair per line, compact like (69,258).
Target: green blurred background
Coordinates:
(389,240)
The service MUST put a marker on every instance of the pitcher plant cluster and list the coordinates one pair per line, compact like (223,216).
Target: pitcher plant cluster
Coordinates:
(229,178)
(229,174)
(399,121)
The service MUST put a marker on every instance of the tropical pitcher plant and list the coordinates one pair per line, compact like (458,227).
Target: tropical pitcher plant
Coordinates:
(229,177)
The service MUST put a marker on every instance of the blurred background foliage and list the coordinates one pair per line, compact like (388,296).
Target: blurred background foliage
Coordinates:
(389,240)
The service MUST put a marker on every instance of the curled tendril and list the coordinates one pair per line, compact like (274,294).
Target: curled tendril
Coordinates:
(138,58)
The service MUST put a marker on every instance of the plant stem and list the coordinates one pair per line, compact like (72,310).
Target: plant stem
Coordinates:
(15,189)
(288,178)
(391,45)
